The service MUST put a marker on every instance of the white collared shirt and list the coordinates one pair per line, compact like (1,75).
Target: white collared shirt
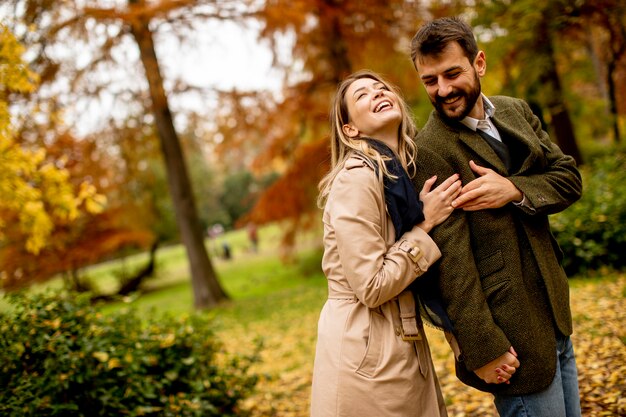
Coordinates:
(486,125)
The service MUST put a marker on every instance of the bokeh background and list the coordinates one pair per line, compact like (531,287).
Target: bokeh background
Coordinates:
(166,154)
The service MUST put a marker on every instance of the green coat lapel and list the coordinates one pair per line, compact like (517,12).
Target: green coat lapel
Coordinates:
(474,141)
(515,127)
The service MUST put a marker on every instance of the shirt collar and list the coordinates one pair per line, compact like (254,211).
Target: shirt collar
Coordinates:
(490,110)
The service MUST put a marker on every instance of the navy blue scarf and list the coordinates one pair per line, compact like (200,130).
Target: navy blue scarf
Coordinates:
(406,210)
(403,204)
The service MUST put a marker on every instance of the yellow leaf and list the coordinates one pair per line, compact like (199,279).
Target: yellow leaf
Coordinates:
(101,356)
(168,341)
(114,363)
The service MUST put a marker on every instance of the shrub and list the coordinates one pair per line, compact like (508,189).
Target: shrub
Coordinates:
(592,232)
(60,357)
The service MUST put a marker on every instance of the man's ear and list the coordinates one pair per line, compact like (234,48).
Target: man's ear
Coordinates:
(480,63)
(350,131)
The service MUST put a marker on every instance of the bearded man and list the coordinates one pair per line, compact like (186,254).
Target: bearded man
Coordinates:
(500,278)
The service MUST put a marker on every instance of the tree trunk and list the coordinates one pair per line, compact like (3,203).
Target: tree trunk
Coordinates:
(617,43)
(613,101)
(603,83)
(561,121)
(132,284)
(206,288)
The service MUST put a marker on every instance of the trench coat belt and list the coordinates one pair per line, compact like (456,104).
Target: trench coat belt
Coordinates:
(408,317)
(410,328)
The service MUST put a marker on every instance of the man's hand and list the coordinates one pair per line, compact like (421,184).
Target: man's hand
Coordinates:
(499,370)
(490,190)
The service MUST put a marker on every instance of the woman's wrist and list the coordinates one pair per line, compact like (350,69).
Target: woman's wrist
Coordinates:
(425,226)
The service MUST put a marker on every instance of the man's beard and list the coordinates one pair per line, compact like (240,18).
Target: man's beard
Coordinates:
(470,101)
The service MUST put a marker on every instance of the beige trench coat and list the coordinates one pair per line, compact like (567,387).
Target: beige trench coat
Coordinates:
(363,366)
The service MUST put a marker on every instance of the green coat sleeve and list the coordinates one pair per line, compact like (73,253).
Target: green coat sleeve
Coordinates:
(559,185)
(480,338)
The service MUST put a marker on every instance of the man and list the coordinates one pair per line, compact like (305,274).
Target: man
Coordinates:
(500,276)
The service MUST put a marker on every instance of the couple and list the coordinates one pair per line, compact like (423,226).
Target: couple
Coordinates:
(478,230)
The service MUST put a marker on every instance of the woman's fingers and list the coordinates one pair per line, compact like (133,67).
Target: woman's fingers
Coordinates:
(445,192)
(428,185)
(503,381)
(508,369)
(455,189)
(505,372)
(451,180)
(502,376)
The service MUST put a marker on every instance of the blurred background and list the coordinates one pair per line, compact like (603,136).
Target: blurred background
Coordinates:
(166,154)
(141,124)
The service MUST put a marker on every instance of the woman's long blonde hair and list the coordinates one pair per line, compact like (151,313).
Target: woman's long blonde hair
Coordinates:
(342,146)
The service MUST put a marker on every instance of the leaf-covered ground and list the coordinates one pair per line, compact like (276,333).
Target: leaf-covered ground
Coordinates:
(289,327)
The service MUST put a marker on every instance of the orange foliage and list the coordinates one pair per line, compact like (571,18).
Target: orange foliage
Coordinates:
(73,247)
(288,133)
(292,192)
(91,238)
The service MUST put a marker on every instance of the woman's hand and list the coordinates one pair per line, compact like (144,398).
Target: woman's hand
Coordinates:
(501,369)
(438,202)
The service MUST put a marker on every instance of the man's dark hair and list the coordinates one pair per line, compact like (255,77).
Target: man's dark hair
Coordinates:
(435,35)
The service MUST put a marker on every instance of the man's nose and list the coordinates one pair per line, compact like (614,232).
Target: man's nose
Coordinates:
(444,87)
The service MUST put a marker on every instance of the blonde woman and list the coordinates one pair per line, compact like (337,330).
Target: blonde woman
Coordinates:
(372,356)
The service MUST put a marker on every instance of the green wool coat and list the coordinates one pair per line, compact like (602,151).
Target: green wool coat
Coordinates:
(500,275)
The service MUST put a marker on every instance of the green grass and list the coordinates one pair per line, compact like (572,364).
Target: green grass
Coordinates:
(247,275)
(248,278)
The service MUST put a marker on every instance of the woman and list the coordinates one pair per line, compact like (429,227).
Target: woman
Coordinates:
(372,357)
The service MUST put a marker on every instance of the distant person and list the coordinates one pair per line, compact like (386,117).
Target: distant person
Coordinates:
(226,252)
(372,356)
(253,236)
(215,231)
(500,276)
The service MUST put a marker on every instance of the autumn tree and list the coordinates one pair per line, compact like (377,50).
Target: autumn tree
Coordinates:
(43,233)
(287,132)
(207,290)
(73,245)
(540,45)
(57,23)
(37,196)
(605,24)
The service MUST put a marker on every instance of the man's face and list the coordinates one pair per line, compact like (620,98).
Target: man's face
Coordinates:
(452,82)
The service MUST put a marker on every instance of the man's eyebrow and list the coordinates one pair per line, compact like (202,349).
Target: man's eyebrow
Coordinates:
(447,71)
(454,68)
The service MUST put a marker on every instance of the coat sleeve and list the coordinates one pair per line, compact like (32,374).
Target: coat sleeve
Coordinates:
(356,211)
(557,186)
(481,340)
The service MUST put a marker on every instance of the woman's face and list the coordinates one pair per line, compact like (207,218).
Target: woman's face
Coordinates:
(374,110)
